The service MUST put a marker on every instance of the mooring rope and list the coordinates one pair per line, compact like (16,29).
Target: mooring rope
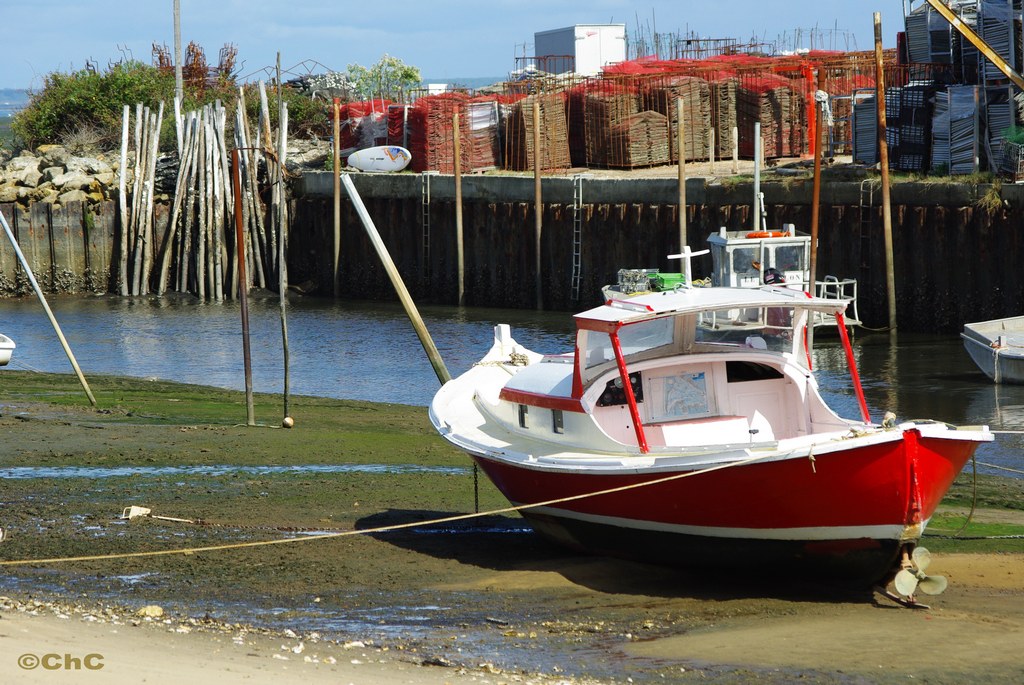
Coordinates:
(390,528)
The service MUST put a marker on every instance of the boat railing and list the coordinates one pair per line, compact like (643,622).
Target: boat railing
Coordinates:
(833,288)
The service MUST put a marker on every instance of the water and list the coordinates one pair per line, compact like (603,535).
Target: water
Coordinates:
(12,100)
(364,351)
(368,351)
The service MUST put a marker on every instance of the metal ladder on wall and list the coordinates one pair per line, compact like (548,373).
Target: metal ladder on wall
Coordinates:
(425,220)
(577,236)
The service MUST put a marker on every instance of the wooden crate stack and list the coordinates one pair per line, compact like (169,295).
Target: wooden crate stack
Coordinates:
(773,102)
(554,133)
(639,140)
(606,105)
(696,96)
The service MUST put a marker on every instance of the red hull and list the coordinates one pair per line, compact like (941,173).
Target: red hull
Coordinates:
(862,500)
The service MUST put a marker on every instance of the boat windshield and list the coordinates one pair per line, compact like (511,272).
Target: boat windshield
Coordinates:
(765,328)
(634,339)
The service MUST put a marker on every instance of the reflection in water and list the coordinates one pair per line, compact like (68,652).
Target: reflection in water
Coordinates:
(344,350)
(368,351)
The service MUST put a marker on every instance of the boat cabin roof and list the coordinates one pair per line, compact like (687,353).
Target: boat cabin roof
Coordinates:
(617,313)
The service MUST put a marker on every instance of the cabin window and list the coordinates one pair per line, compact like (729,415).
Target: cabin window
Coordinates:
(523,413)
(634,339)
(557,421)
(741,372)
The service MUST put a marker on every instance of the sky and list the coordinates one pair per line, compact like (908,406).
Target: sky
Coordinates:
(446,39)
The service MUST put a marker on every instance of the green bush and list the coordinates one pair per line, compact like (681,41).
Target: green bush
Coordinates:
(93,102)
(87,99)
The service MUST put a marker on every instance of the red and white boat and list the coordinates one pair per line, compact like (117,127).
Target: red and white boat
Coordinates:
(686,427)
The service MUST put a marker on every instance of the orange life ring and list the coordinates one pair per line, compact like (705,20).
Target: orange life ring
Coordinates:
(766,234)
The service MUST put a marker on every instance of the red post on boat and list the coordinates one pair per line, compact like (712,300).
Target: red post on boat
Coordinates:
(634,411)
(854,375)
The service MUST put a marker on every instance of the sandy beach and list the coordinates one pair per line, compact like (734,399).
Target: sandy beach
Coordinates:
(44,645)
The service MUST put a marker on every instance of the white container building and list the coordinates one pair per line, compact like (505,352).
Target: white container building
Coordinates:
(591,47)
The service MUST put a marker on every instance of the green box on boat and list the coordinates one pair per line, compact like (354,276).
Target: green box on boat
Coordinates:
(667,281)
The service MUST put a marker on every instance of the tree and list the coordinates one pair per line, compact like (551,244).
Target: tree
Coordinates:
(389,78)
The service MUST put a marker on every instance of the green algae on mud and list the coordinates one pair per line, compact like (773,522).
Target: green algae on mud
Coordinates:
(472,591)
(126,426)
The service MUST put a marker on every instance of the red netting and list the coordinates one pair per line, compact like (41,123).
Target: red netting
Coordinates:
(430,132)
(362,125)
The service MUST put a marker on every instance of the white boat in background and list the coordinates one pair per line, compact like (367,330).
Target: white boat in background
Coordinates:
(997,347)
(744,259)
(6,349)
(741,259)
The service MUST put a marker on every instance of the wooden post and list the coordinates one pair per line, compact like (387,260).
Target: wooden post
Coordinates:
(883,164)
(282,262)
(460,245)
(336,131)
(396,280)
(46,308)
(538,206)
(735,150)
(681,153)
(250,412)
(122,203)
(711,150)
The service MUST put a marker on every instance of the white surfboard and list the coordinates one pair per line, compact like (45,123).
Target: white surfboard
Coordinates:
(380,158)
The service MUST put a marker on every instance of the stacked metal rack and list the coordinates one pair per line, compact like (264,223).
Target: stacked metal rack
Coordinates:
(955,125)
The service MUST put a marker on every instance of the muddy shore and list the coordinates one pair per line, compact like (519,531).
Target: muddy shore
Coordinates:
(481,596)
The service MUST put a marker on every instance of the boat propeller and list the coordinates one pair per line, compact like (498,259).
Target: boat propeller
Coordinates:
(912,577)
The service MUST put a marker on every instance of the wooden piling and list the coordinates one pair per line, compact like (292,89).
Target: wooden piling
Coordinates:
(883,164)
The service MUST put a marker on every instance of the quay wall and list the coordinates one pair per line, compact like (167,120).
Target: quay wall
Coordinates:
(958,253)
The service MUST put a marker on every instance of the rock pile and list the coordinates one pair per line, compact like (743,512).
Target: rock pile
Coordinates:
(52,174)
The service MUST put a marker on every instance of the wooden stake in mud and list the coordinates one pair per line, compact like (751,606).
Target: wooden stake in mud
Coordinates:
(122,203)
(250,412)
(46,308)
(396,280)
(883,164)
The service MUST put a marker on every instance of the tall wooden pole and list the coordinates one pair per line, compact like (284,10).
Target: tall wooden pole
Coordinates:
(883,163)
(337,195)
(681,153)
(460,246)
(178,89)
(538,201)
(282,242)
(46,308)
(243,286)
(396,280)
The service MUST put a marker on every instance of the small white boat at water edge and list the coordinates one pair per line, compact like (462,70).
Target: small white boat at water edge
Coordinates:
(997,347)
(6,349)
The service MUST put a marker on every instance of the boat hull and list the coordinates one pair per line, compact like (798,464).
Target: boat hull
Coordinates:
(846,513)
(6,350)
(997,348)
